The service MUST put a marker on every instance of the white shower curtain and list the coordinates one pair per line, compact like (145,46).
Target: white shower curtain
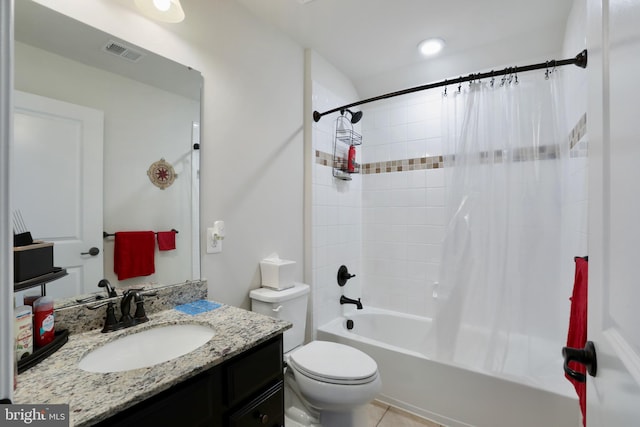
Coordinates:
(502,296)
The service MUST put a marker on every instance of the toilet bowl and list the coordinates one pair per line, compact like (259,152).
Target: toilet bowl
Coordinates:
(334,377)
(326,383)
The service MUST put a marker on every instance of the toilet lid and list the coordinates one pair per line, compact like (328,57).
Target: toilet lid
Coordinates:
(334,363)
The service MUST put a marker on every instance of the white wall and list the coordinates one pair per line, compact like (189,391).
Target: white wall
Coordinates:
(141,125)
(252,139)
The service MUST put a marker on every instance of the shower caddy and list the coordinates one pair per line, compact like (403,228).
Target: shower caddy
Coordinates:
(345,135)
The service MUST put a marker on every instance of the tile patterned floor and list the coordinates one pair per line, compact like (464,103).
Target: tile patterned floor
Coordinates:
(382,415)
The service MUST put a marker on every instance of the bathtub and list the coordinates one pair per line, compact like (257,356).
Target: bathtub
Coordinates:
(450,395)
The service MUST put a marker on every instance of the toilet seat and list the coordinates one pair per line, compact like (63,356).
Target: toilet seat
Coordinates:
(333,363)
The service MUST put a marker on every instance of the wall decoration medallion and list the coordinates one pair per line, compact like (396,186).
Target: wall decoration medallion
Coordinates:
(161,174)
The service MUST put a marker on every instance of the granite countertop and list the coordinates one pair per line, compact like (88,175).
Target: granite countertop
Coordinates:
(93,397)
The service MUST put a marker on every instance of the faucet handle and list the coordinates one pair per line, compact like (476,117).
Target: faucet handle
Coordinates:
(140,316)
(344,275)
(110,321)
(125,307)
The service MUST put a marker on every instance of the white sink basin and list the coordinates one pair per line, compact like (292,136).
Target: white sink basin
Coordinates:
(146,348)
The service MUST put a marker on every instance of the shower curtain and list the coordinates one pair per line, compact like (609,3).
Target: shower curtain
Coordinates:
(502,298)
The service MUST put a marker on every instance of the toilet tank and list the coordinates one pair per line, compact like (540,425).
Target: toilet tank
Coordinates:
(288,304)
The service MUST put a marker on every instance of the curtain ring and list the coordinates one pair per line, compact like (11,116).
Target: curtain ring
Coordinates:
(460,85)
(516,75)
(493,79)
(546,74)
(445,89)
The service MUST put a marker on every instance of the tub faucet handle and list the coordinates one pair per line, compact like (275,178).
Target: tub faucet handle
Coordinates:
(344,275)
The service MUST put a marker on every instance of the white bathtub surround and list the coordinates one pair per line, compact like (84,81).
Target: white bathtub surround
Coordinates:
(454,395)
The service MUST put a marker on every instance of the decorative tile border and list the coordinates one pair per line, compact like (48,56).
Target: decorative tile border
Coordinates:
(416,163)
(323,158)
(433,162)
(577,148)
(578,131)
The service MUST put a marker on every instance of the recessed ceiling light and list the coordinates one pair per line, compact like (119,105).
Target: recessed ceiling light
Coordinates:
(430,47)
(162,10)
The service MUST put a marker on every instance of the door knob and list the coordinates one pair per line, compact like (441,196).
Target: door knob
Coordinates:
(586,356)
(93,252)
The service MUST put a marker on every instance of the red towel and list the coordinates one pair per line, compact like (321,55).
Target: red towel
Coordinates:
(133,254)
(577,336)
(166,240)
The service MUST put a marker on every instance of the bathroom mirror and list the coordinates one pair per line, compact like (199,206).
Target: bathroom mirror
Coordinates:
(150,112)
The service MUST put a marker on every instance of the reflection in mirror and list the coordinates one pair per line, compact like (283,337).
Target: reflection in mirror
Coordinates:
(93,114)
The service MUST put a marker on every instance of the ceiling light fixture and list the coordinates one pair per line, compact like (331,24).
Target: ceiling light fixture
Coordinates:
(162,10)
(430,47)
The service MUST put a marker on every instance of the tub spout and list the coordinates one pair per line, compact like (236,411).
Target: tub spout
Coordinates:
(345,300)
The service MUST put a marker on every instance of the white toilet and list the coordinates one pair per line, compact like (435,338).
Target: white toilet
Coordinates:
(326,384)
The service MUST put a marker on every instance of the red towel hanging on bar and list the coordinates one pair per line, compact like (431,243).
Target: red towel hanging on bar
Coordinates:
(133,254)
(166,240)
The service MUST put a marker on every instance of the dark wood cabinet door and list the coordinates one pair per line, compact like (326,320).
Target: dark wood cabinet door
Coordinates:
(267,410)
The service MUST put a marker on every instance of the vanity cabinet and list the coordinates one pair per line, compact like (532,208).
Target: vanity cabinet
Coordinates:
(246,390)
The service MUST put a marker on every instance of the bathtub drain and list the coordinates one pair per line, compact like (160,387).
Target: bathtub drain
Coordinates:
(349,324)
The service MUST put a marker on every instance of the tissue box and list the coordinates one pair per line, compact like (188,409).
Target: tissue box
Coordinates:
(277,273)
(32,261)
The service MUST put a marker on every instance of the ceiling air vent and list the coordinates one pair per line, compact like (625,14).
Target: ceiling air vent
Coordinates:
(123,51)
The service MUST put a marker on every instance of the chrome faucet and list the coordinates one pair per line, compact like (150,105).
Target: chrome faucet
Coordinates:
(345,300)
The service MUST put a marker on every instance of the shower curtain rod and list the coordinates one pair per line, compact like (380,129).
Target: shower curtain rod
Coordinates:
(580,60)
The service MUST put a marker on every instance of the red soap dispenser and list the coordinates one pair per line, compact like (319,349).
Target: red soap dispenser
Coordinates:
(351,159)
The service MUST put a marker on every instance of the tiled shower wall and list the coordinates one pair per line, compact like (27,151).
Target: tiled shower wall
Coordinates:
(336,219)
(388,224)
(403,213)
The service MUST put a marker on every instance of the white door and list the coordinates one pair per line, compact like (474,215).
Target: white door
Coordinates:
(613,395)
(56,184)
